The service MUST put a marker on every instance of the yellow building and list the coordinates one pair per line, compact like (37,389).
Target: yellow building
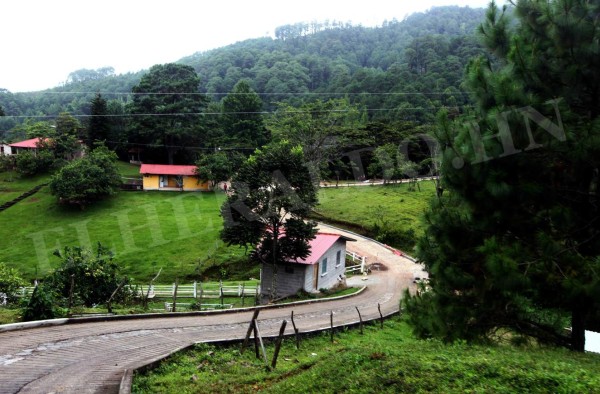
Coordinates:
(171,178)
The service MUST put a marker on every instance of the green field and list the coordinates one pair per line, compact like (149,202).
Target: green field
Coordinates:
(380,361)
(394,208)
(12,185)
(177,232)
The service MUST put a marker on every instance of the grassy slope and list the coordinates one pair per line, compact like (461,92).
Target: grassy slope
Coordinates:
(12,185)
(146,230)
(367,205)
(388,360)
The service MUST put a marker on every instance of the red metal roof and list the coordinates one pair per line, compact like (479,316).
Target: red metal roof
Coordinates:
(167,169)
(32,143)
(319,246)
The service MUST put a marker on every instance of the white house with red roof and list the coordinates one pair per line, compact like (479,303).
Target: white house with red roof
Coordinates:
(35,144)
(169,177)
(5,149)
(31,145)
(324,268)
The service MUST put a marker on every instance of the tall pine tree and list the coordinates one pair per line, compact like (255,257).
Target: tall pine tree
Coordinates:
(99,124)
(515,244)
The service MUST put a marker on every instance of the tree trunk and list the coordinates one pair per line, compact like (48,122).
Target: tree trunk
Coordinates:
(578,314)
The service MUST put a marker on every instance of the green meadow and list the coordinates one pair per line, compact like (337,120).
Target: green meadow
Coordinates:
(392,214)
(379,361)
(146,231)
(178,232)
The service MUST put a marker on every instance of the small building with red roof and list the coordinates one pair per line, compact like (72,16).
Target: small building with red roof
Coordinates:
(35,144)
(324,268)
(169,177)
(31,145)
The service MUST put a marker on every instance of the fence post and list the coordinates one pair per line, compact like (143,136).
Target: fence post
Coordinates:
(175,294)
(195,293)
(258,336)
(361,321)
(250,328)
(331,321)
(296,332)
(363,264)
(221,291)
(243,292)
(201,295)
(278,344)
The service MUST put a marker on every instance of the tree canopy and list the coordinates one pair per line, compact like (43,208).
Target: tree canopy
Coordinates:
(88,179)
(515,243)
(272,195)
(166,109)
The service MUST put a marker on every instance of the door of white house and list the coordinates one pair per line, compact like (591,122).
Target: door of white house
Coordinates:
(162,181)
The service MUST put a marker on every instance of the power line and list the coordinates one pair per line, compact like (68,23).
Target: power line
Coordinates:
(259,93)
(240,112)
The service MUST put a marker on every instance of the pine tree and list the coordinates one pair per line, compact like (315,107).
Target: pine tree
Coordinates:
(515,243)
(99,125)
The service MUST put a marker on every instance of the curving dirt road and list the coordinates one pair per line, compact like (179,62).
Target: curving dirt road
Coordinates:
(92,357)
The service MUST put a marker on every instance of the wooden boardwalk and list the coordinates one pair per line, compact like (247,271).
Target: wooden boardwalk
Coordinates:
(92,357)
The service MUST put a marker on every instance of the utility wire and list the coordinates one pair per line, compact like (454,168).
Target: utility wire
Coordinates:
(240,112)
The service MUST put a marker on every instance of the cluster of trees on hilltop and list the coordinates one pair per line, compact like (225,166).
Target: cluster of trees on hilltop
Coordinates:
(400,70)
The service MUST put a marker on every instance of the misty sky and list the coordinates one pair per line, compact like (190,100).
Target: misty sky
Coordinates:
(42,41)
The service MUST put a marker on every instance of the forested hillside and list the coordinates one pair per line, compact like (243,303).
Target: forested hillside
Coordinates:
(401,70)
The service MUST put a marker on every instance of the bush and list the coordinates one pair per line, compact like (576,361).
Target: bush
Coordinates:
(40,306)
(88,179)
(10,281)
(7,163)
(95,276)
(28,163)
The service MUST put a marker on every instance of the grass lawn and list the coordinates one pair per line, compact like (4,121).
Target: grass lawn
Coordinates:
(128,170)
(177,232)
(13,184)
(380,361)
(392,207)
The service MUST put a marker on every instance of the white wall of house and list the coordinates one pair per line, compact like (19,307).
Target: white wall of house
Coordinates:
(330,268)
(5,150)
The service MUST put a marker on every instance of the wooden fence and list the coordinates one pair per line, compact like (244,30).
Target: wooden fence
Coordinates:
(197,290)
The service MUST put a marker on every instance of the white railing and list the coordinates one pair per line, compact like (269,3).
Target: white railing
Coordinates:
(198,289)
(358,267)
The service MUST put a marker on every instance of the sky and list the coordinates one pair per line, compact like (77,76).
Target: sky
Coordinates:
(42,41)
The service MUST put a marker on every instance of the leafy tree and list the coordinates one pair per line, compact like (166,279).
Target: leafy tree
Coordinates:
(40,306)
(87,179)
(219,166)
(30,163)
(323,129)
(272,195)
(515,244)
(95,275)
(242,117)
(65,141)
(166,108)
(99,124)
(2,111)
(10,281)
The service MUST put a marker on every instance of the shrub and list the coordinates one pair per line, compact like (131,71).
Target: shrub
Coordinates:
(10,281)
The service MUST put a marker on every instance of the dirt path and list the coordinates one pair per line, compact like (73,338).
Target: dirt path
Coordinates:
(92,357)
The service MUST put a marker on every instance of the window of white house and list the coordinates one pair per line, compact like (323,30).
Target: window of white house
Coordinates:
(338,258)
(324,266)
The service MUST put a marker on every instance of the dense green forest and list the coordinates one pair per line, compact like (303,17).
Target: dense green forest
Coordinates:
(401,70)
